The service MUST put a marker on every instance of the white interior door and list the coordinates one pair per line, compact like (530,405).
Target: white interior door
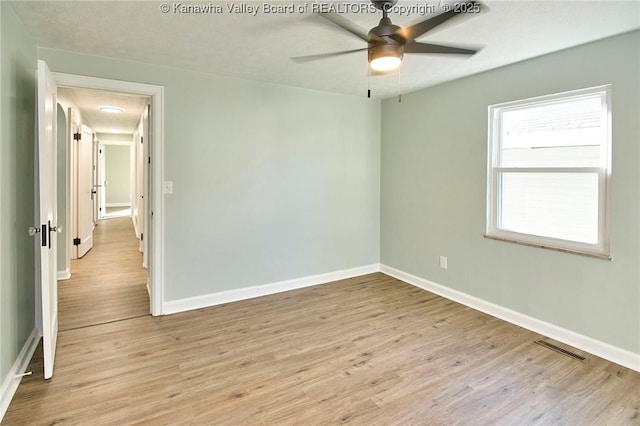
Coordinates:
(47,105)
(139,201)
(101,185)
(76,129)
(85,192)
(94,182)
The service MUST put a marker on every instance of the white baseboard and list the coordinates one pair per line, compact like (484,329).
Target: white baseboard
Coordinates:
(596,347)
(12,380)
(64,275)
(118,205)
(212,299)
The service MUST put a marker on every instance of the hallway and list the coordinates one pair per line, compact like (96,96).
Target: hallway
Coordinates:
(109,283)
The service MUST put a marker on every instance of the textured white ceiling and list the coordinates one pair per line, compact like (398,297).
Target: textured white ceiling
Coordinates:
(88,102)
(260,47)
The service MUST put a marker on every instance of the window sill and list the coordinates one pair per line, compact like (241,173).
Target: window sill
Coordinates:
(564,250)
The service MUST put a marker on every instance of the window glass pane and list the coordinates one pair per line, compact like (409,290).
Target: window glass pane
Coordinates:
(570,156)
(567,133)
(556,205)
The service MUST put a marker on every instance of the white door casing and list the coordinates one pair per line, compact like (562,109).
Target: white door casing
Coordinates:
(153,200)
(47,111)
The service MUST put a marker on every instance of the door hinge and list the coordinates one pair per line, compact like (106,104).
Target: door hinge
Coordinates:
(149,160)
(76,241)
(77,136)
(141,236)
(141,139)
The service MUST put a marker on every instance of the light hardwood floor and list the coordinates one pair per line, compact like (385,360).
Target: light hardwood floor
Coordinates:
(108,283)
(370,350)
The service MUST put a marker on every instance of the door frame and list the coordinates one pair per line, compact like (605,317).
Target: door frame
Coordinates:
(155,214)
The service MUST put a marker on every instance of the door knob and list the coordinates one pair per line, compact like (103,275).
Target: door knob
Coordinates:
(42,231)
(57,229)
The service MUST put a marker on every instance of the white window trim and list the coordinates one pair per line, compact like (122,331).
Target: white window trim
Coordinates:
(600,249)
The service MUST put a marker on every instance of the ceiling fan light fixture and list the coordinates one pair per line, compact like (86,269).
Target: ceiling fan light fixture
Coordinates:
(385,63)
(385,57)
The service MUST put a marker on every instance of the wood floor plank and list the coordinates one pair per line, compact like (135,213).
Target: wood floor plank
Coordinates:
(370,350)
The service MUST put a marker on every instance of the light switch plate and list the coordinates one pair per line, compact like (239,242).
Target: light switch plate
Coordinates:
(167,187)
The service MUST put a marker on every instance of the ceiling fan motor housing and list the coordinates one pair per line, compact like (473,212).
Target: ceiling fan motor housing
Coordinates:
(381,50)
(382,41)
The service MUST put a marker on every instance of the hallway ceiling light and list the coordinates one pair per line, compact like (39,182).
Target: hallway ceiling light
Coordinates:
(111,109)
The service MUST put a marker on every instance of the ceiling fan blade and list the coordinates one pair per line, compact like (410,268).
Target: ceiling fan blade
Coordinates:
(346,24)
(309,58)
(436,48)
(414,31)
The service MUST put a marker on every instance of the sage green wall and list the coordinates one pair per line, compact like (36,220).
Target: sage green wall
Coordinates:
(117,171)
(17,207)
(270,182)
(434,165)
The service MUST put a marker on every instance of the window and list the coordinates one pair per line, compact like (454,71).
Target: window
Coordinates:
(549,168)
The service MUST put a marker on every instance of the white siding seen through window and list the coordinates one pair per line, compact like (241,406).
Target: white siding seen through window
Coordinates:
(549,167)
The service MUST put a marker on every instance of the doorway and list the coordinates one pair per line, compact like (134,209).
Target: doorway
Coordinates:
(116,171)
(151,234)
(117,180)
(107,280)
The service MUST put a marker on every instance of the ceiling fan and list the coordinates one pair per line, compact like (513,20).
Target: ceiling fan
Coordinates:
(387,43)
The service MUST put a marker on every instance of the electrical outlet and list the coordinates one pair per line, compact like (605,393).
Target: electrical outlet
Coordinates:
(443,262)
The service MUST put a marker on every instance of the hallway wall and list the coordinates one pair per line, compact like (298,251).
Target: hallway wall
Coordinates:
(118,175)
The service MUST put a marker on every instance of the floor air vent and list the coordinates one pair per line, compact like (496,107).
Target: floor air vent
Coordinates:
(559,350)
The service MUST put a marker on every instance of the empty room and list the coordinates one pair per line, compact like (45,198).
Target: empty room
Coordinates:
(370,212)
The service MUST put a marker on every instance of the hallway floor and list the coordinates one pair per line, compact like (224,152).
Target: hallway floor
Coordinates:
(109,283)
